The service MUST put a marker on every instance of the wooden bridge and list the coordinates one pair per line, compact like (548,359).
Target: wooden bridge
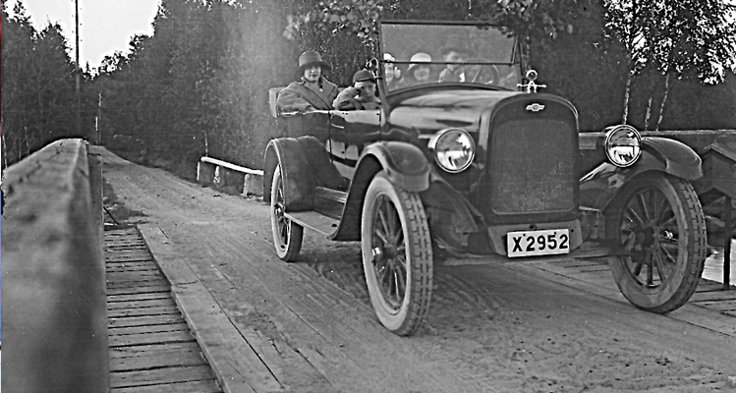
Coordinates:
(90,310)
(72,322)
(151,346)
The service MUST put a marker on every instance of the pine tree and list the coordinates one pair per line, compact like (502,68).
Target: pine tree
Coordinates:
(37,85)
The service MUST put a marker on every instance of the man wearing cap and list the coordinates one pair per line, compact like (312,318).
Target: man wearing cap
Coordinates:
(361,95)
(312,91)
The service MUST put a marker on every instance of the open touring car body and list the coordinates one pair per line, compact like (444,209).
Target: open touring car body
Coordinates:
(480,166)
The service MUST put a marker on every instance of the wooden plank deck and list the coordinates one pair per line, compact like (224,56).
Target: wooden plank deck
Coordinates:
(151,347)
(709,294)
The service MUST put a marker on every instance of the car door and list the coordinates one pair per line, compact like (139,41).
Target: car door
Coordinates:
(350,132)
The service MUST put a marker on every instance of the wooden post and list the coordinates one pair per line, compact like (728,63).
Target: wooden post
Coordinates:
(727,244)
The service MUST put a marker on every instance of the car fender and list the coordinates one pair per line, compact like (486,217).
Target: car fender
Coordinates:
(406,167)
(679,159)
(405,164)
(299,180)
(451,216)
(601,185)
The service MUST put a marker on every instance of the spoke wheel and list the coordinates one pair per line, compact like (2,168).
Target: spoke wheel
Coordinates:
(659,222)
(397,255)
(287,235)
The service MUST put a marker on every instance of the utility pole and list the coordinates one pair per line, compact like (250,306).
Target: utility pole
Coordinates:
(98,135)
(78,70)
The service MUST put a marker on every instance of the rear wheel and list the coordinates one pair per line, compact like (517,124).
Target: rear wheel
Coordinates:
(659,222)
(397,255)
(287,235)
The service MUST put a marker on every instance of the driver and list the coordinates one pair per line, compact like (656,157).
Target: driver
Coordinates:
(453,72)
(312,91)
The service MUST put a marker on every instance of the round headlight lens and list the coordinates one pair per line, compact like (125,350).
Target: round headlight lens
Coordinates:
(453,148)
(623,145)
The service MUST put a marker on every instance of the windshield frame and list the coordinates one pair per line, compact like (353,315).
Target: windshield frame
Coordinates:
(516,60)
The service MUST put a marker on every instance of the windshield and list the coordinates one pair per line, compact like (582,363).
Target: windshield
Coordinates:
(415,54)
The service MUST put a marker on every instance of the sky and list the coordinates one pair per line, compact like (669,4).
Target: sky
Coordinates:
(106,25)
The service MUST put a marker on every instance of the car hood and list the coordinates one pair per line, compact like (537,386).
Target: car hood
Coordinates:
(431,110)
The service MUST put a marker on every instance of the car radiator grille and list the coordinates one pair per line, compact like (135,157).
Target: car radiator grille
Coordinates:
(533,166)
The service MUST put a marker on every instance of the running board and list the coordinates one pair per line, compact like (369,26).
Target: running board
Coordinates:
(314,221)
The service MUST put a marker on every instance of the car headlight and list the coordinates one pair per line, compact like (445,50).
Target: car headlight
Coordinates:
(453,149)
(623,145)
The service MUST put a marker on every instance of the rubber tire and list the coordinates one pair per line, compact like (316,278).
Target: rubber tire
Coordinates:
(692,247)
(414,307)
(287,247)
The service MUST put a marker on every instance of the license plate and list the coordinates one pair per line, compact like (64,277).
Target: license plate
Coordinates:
(534,243)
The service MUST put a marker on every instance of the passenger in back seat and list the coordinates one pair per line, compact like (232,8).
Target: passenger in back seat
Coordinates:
(312,91)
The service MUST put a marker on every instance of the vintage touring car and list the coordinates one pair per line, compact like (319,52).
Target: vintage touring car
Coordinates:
(479,163)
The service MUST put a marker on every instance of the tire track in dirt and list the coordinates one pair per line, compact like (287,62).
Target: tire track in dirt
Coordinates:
(473,320)
(340,338)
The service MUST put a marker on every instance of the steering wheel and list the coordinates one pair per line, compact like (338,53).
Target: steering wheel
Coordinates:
(485,74)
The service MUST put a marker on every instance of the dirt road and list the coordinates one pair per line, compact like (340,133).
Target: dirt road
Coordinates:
(493,327)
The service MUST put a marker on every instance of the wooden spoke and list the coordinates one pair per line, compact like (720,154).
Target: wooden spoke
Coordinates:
(661,269)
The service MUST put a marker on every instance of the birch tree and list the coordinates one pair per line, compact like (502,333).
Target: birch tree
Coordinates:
(688,39)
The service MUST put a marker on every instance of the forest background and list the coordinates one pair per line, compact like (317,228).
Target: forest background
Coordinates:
(199,84)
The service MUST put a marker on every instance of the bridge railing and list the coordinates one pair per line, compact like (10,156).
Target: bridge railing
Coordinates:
(54,321)
(224,175)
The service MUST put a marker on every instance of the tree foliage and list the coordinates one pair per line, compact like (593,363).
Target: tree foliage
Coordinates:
(690,40)
(38,86)
(693,39)
(199,84)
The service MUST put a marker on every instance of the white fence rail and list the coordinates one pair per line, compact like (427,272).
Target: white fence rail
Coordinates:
(229,177)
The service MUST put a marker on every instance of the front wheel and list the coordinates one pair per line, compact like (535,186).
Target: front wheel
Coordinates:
(287,235)
(397,255)
(659,222)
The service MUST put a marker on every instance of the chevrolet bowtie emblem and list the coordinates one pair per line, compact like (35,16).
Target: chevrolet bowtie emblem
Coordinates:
(535,107)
